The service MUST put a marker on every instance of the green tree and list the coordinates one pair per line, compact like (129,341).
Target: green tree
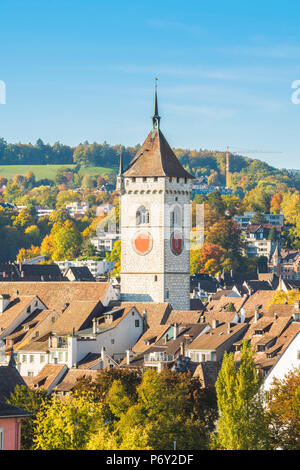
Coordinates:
(66,424)
(242,424)
(32,401)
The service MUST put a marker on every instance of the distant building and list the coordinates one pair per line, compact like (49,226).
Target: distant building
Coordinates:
(204,189)
(105,241)
(285,264)
(77,209)
(257,238)
(245,219)
(96,267)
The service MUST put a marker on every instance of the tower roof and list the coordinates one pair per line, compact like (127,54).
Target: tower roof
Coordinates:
(156,158)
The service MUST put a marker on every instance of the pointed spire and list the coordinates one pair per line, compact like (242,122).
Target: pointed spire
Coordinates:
(156,116)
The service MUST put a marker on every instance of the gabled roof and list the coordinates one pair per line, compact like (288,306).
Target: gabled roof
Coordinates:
(72,377)
(46,377)
(156,158)
(9,378)
(80,273)
(157,312)
(216,337)
(55,295)
(77,315)
(14,309)
(41,272)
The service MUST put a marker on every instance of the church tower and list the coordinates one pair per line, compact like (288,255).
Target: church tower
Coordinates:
(155,223)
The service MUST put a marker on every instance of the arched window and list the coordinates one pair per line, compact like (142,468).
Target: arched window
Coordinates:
(175,217)
(142,216)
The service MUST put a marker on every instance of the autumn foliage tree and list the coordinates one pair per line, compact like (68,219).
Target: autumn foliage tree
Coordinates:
(283,411)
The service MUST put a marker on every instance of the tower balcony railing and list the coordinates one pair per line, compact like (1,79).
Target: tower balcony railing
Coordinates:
(158,357)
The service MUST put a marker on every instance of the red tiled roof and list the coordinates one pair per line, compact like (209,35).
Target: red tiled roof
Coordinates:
(156,158)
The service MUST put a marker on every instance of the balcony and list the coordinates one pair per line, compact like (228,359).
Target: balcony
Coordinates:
(158,357)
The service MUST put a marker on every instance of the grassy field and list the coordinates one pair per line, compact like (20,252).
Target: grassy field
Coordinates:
(47,171)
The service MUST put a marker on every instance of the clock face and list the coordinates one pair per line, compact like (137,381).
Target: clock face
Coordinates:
(176,243)
(142,242)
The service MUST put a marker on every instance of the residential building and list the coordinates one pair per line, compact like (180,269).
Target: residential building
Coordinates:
(77,209)
(96,267)
(104,241)
(10,416)
(212,345)
(285,264)
(288,361)
(257,239)
(245,219)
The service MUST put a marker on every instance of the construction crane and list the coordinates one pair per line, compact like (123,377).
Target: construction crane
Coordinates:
(239,150)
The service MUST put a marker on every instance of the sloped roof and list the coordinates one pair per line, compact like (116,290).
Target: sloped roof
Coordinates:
(184,316)
(77,315)
(156,158)
(216,337)
(46,376)
(259,299)
(10,411)
(13,310)
(72,377)
(81,273)
(55,295)
(41,272)
(157,312)
(9,378)
(207,372)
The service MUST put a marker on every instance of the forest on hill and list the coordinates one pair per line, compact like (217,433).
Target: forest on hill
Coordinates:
(247,172)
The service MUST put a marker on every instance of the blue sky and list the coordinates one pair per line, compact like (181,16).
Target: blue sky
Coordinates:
(80,70)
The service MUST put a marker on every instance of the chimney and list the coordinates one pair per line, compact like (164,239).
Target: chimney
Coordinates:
(182,349)
(102,352)
(297,305)
(215,323)
(129,356)
(4,301)
(94,325)
(256,315)
(202,319)
(145,318)
(166,338)
(175,331)
(275,315)
(228,328)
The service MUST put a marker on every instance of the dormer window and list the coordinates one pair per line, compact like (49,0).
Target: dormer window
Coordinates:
(142,216)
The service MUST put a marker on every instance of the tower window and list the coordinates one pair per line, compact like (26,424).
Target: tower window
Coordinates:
(142,216)
(155,178)
(144,179)
(167,293)
(155,278)
(170,179)
(175,217)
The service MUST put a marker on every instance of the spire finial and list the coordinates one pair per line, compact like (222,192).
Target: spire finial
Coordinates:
(156,116)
